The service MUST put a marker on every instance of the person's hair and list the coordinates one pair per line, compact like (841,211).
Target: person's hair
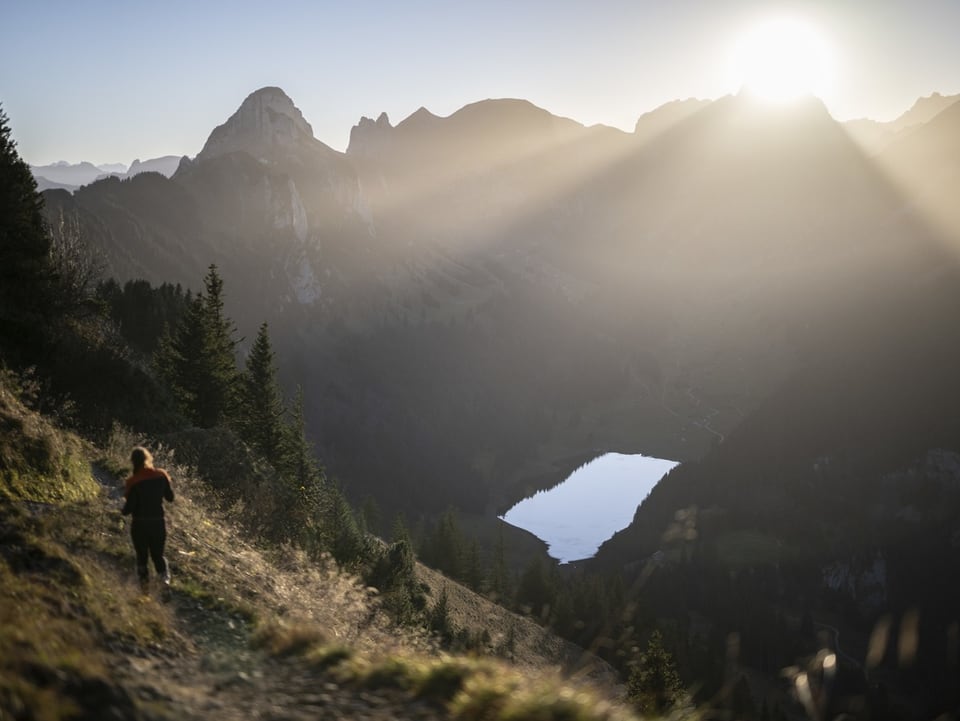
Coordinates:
(141,458)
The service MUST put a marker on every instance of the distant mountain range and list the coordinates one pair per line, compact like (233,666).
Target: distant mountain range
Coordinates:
(872,134)
(70,176)
(875,135)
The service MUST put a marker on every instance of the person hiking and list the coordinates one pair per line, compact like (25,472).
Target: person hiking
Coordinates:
(145,492)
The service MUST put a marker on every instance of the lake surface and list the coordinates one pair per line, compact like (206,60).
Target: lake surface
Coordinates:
(596,501)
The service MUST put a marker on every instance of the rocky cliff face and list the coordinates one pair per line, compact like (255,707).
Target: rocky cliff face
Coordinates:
(369,138)
(266,124)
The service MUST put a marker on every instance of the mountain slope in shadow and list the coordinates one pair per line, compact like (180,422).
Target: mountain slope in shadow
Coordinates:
(460,296)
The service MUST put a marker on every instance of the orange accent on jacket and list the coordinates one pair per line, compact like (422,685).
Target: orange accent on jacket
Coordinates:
(142,475)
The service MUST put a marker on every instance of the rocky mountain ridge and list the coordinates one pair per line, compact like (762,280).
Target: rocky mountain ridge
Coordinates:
(875,135)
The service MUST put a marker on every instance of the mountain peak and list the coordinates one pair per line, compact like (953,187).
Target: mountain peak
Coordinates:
(368,136)
(924,110)
(266,124)
(421,116)
(654,123)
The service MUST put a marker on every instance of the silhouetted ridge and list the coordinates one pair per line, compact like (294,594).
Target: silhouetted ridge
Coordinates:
(924,110)
(368,136)
(662,119)
(266,125)
(420,117)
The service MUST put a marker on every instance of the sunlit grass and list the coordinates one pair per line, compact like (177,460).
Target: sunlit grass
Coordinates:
(469,688)
(38,462)
(63,617)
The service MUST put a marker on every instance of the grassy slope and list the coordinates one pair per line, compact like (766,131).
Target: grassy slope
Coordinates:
(244,631)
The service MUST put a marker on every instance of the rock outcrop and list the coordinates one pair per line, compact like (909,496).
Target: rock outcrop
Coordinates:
(368,137)
(267,125)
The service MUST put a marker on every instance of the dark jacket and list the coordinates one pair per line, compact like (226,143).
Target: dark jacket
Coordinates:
(146,490)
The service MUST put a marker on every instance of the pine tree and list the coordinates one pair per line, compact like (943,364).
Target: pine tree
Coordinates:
(217,399)
(199,360)
(26,274)
(499,585)
(371,516)
(260,411)
(438,619)
(143,313)
(297,461)
(399,530)
(535,590)
(444,550)
(304,497)
(472,567)
(654,685)
(350,546)
(178,360)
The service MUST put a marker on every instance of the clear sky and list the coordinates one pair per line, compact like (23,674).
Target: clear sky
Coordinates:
(111,81)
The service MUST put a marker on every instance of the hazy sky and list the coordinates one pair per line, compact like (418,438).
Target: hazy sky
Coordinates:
(111,81)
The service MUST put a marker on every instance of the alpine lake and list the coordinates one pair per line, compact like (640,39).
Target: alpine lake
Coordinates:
(595,501)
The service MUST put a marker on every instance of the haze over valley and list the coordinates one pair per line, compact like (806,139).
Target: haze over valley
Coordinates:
(512,290)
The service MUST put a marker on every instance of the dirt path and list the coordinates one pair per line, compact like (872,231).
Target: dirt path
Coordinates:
(207,668)
(215,674)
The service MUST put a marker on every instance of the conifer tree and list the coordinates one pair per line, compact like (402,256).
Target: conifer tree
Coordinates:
(535,590)
(349,544)
(499,585)
(297,461)
(260,411)
(399,530)
(199,360)
(143,313)
(217,400)
(438,619)
(26,273)
(654,685)
(444,549)
(472,567)
(304,497)
(177,359)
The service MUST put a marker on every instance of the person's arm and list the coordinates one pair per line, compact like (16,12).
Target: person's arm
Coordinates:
(131,503)
(168,488)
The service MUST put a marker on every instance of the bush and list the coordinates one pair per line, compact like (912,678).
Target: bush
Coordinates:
(395,576)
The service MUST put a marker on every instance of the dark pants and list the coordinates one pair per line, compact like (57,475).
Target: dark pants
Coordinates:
(149,538)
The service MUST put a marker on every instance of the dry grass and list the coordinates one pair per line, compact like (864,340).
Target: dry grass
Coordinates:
(520,639)
(64,615)
(64,606)
(468,688)
(38,462)
(214,561)
(70,610)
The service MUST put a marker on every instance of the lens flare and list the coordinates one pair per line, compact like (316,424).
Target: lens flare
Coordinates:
(782,59)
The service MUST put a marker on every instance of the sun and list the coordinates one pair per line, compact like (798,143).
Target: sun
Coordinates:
(782,59)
